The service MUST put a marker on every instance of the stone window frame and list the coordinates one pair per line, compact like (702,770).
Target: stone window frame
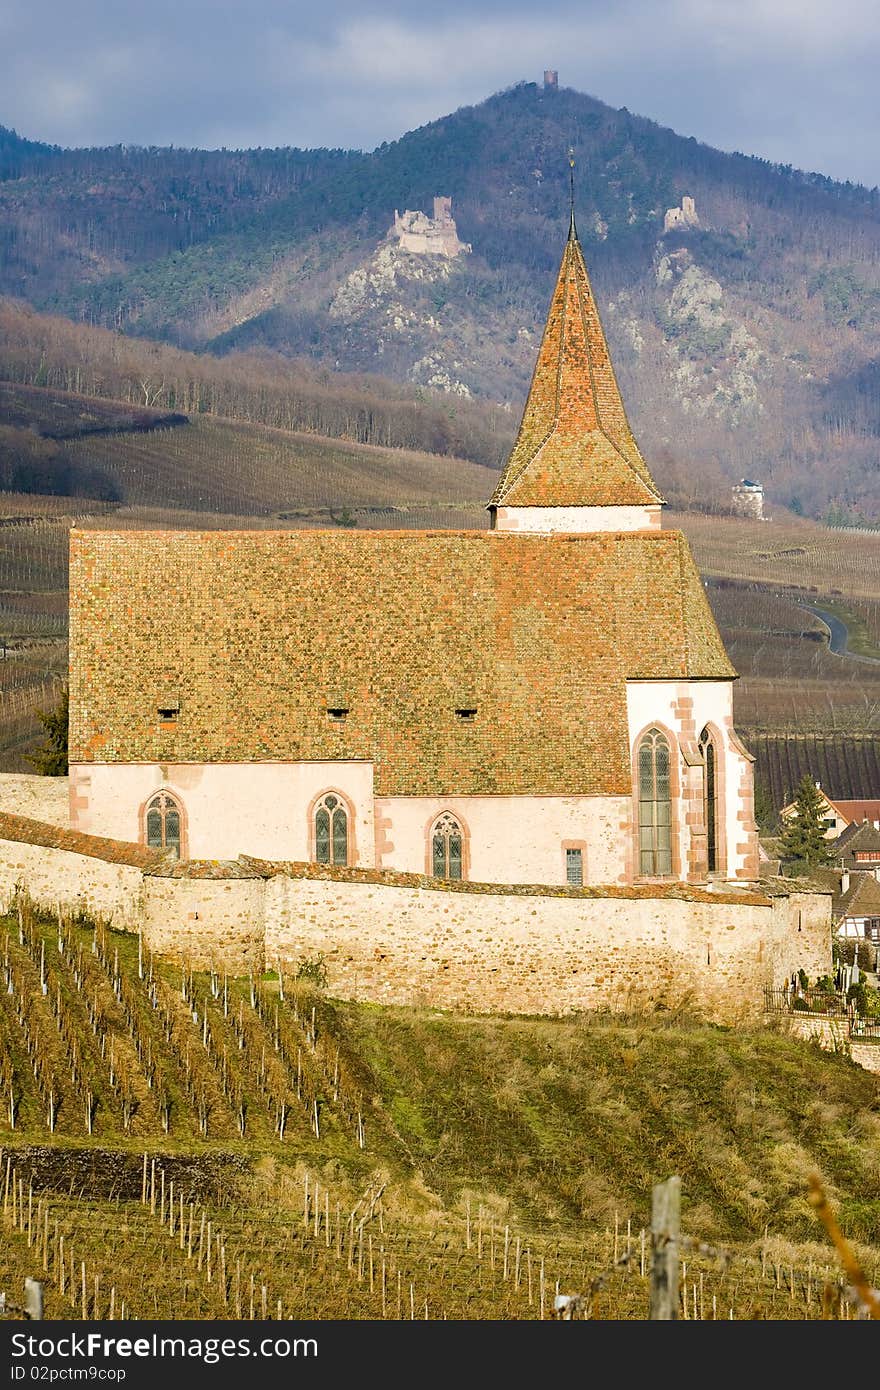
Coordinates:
(180,807)
(674,874)
(465,845)
(713,732)
(348,807)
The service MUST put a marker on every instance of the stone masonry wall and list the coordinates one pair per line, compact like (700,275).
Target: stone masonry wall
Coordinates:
(43,798)
(206,921)
(832,1034)
(77,882)
(406,939)
(545,954)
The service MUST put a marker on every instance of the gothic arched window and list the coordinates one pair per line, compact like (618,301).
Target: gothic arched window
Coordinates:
(163,823)
(447,847)
(655,805)
(710,799)
(331,831)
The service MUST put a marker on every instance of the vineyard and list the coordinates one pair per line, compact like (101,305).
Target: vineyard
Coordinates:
(847,768)
(791,553)
(216,473)
(762,578)
(226,466)
(101,451)
(267,1152)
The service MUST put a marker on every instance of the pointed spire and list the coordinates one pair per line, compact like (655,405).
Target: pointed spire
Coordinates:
(572,229)
(575,447)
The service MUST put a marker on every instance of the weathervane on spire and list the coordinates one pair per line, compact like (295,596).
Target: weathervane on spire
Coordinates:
(572,229)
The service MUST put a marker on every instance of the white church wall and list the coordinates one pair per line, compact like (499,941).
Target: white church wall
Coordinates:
(577,519)
(509,839)
(684,708)
(261,809)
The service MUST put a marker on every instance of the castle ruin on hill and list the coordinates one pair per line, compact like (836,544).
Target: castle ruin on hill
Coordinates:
(429,236)
(685,216)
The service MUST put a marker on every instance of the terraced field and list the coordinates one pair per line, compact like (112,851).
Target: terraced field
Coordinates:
(266,1152)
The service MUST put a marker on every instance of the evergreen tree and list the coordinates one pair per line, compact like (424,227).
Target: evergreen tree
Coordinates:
(765,811)
(51,759)
(803,844)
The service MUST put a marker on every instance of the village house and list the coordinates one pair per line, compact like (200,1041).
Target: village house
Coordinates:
(838,813)
(855,907)
(545,702)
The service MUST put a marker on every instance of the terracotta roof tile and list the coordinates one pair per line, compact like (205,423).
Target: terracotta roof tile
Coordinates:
(575,447)
(260,633)
(390,878)
(23,830)
(862,898)
(856,811)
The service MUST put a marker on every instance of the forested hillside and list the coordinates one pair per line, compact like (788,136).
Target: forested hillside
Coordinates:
(47,351)
(746,343)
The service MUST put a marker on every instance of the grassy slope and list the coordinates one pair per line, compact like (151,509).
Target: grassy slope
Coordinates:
(562,1119)
(570,1119)
(553,1128)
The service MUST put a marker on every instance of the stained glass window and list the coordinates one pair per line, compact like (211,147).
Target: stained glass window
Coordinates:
(163,823)
(447,844)
(710,800)
(331,831)
(655,805)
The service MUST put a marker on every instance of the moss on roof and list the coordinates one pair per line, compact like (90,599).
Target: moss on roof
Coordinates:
(256,635)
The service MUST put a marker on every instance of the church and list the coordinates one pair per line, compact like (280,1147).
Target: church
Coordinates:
(546,702)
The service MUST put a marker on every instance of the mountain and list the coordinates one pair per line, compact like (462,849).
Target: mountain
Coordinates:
(745,328)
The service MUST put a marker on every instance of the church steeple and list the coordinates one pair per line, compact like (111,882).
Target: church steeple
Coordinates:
(575,464)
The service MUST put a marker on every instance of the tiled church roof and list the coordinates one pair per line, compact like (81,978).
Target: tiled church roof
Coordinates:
(257,634)
(23,830)
(575,447)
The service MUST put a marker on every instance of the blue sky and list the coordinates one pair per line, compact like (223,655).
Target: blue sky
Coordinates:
(790,80)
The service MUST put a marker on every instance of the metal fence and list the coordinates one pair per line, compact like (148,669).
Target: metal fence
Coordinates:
(808,1001)
(820,1003)
(865,1029)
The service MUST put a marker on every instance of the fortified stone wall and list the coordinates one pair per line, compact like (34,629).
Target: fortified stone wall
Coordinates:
(406,939)
(40,798)
(206,914)
(537,952)
(81,873)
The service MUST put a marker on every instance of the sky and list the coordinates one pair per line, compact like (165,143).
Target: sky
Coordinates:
(794,81)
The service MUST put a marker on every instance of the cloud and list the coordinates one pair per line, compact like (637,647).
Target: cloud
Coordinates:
(791,80)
